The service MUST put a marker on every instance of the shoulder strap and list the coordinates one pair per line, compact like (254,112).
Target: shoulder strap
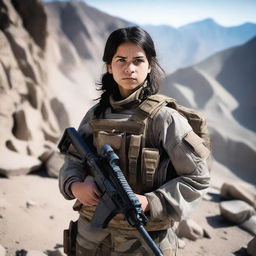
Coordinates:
(152,104)
(147,110)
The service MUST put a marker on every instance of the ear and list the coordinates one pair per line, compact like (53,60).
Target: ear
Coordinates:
(109,68)
(149,69)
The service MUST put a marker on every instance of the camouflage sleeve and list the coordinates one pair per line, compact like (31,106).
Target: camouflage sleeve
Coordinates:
(72,170)
(178,197)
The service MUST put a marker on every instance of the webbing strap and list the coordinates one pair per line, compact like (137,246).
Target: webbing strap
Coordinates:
(133,154)
(151,105)
(147,109)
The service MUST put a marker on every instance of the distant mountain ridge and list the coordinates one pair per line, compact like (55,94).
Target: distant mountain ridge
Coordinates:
(195,42)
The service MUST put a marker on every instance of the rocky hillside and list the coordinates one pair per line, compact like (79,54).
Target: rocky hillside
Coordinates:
(49,62)
(237,75)
(77,35)
(29,130)
(223,87)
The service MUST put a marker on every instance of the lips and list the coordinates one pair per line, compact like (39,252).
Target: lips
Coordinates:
(129,78)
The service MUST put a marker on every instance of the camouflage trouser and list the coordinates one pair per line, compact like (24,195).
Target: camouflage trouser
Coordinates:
(115,242)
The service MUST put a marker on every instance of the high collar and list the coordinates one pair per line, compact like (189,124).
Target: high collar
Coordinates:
(131,101)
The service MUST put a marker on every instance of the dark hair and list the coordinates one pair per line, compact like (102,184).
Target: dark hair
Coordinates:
(140,37)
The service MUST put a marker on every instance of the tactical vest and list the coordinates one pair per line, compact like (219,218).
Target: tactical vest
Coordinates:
(130,140)
(139,160)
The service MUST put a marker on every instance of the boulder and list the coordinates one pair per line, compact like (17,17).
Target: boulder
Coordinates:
(250,225)
(241,191)
(54,164)
(236,211)
(181,243)
(12,163)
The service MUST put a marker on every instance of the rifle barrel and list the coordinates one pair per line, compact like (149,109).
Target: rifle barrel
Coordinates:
(149,241)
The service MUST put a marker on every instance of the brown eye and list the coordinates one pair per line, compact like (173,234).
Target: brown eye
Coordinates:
(138,61)
(121,60)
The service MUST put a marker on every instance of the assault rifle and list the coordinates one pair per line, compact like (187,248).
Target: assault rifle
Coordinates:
(117,195)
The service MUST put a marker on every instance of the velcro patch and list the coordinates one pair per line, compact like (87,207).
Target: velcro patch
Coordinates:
(197,144)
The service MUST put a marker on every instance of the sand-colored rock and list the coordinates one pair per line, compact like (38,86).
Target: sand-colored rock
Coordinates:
(236,211)
(239,190)
(12,163)
(53,164)
(250,225)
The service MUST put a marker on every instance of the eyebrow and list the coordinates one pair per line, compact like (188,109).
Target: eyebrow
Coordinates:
(137,57)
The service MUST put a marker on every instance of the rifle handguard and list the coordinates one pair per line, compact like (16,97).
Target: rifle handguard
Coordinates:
(140,219)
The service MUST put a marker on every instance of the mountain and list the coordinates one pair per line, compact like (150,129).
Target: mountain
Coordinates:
(223,87)
(195,42)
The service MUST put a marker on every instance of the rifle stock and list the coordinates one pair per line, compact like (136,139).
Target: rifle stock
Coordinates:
(117,195)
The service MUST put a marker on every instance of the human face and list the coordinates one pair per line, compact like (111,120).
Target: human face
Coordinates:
(129,67)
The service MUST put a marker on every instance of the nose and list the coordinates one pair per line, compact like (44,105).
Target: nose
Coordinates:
(130,68)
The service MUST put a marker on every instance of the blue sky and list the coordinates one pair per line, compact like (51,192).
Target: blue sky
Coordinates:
(179,12)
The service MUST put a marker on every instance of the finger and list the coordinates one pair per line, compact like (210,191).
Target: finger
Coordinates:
(89,203)
(97,192)
(95,201)
(94,195)
(94,198)
(92,203)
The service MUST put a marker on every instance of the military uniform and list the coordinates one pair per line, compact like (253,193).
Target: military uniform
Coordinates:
(161,158)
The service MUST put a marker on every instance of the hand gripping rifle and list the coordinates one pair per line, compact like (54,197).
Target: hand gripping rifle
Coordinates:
(117,195)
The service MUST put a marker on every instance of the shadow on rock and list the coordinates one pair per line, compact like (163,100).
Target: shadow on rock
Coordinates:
(218,221)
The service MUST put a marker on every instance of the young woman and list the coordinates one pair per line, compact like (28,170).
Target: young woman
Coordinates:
(158,152)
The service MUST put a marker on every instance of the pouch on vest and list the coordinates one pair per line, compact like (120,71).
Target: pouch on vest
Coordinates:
(149,163)
(125,137)
(133,156)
